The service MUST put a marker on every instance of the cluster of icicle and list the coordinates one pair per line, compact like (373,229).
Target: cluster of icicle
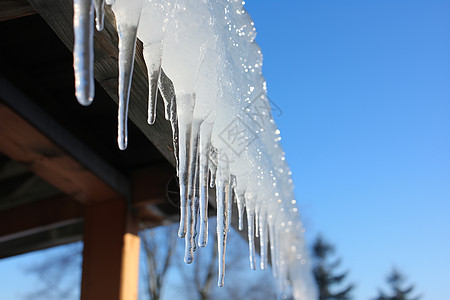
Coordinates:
(224,134)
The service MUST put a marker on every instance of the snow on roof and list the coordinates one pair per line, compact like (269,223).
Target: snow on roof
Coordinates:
(224,135)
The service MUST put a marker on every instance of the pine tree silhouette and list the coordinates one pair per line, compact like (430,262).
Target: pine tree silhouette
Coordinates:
(396,280)
(324,273)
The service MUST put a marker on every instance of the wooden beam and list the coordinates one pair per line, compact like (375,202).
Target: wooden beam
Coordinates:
(52,152)
(111,252)
(39,216)
(25,144)
(59,16)
(12,9)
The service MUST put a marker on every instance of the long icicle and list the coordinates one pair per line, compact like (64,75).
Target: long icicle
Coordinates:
(229,200)
(263,239)
(273,259)
(205,146)
(185,105)
(83,50)
(152,56)
(250,209)
(127,25)
(167,90)
(196,201)
(222,183)
(127,46)
(192,200)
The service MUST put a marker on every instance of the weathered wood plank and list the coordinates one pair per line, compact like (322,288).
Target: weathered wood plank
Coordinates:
(58,14)
(12,9)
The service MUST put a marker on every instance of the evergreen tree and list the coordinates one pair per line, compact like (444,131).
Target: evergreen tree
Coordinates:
(396,280)
(324,273)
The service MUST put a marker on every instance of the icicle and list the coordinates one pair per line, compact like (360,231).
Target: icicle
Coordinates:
(192,198)
(165,86)
(166,107)
(223,185)
(263,240)
(229,200)
(251,221)
(185,105)
(176,147)
(257,216)
(152,57)
(127,19)
(273,256)
(193,157)
(240,200)
(155,16)
(196,201)
(99,14)
(213,167)
(83,50)
(205,145)
(127,44)
(109,2)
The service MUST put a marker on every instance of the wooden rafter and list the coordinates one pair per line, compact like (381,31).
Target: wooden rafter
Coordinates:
(43,146)
(12,9)
(25,144)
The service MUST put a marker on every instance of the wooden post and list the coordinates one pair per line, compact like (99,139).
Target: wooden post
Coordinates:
(111,252)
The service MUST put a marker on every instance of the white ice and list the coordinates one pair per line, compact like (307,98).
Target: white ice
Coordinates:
(201,56)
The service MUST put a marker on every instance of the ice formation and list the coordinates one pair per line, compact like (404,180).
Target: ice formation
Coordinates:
(224,133)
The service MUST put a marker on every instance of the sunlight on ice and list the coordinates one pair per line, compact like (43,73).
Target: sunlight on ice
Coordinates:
(83,50)
(201,56)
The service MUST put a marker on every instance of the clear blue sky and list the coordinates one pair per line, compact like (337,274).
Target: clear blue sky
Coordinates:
(364,87)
